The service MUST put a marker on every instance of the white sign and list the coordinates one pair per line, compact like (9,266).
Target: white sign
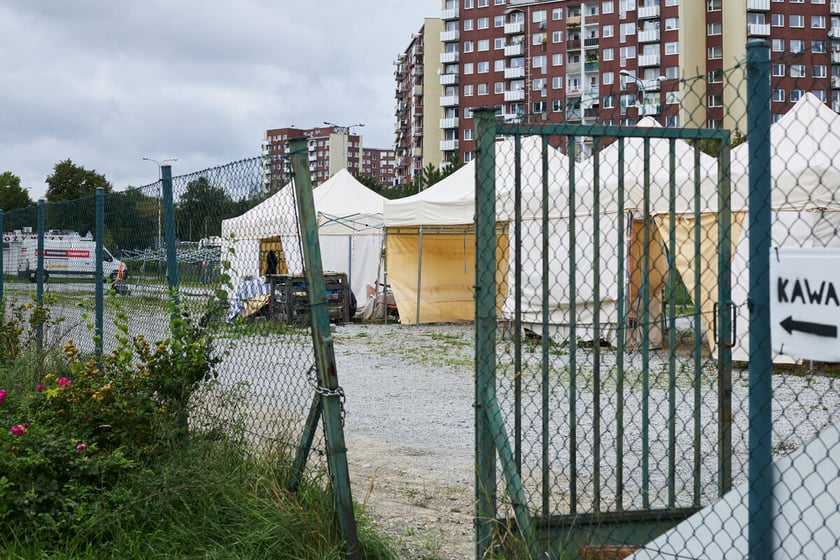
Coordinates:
(805,302)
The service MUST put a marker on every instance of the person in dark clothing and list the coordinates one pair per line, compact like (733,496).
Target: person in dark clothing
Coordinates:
(271,263)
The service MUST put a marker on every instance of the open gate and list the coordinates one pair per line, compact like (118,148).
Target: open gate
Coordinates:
(603,382)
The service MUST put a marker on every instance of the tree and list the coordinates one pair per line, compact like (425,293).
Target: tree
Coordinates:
(201,210)
(70,181)
(12,195)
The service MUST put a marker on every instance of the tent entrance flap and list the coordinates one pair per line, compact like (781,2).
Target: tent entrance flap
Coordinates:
(272,263)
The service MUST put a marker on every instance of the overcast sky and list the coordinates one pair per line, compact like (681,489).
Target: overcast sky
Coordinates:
(106,82)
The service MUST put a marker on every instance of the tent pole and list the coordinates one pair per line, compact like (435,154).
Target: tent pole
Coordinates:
(419,271)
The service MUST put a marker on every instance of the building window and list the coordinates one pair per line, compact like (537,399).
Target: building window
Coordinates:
(797,20)
(539,16)
(538,84)
(499,21)
(468,46)
(468,25)
(557,37)
(483,67)
(557,59)
(608,101)
(482,89)
(777,20)
(539,61)
(538,107)
(714,123)
(778,45)
(797,45)
(608,31)
(716,100)
(714,5)
(607,55)
(483,3)
(608,78)
(557,82)
(817,46)
(715,76)
(672,2)
(607,7)
(499,43)
(483,45)
(468,4)
(817,22)
(820,93)
(797,70)
(557,14)
(778,70)
(468,68)
(672,98)
(468,90)
(715,53)
(499,87)
(818,71)
(672,72)
(483,22)
(779,95)
(713,28)
(539,39)
(499,65)
(672,23)
(557,105)
(796,95)
(672,48)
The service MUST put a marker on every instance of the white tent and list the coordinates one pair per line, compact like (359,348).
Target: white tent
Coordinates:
(805,195)
(431,238)
(560,209)
(349,217)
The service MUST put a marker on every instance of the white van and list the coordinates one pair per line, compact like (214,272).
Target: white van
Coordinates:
(67,254)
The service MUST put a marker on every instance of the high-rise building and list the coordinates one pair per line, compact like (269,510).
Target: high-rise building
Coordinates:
(615,61)
(419,111)
(380,165)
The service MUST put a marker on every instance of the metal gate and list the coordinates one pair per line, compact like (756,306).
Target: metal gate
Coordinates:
(603,361)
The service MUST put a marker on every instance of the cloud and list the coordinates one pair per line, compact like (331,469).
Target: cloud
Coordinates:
(105,83)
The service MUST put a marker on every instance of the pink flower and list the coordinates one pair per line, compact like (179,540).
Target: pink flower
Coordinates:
(18,430)
(62,382)
(40,387)
(2,395)
(80,447)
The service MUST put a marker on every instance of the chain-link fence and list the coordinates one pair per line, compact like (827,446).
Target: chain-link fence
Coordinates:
(233,259)
(632,373)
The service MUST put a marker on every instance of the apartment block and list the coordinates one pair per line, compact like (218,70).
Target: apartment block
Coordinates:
(331,148)
(419,111)
(380,165)
(615,61)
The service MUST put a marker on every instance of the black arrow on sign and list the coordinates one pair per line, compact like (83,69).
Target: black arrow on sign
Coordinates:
(819,329)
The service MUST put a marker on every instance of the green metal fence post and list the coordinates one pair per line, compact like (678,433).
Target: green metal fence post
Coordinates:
(170,236)
(98,283)
(329,390)
(39,289)
(485,325)
(760,367)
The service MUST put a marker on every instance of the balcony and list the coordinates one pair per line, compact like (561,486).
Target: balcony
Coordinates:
(591,42)
(514,50)
(449,101)
(835,7)
(835,105)
(418,91)
(417,71)
(652,85)
(449,36)
(835,82)
(591,66)
(451,122)
(418,131)
(448,57)
(573,45)
(649,60)
(449,14)
(515,95)
(648,36)
(758,5)
(417,152)
(573,21)
(835,31)
(646,109)
(511,117)
(448,79)
(514,73)
(516,28)
(646,12)
(448,145)
(835,58)
(574,91)
(758,29)
(573,114)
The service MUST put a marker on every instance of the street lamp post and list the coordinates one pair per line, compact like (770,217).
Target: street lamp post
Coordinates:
(640,84)
(345,132)
(160,194)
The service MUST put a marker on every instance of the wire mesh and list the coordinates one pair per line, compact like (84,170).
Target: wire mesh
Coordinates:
(621,363)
